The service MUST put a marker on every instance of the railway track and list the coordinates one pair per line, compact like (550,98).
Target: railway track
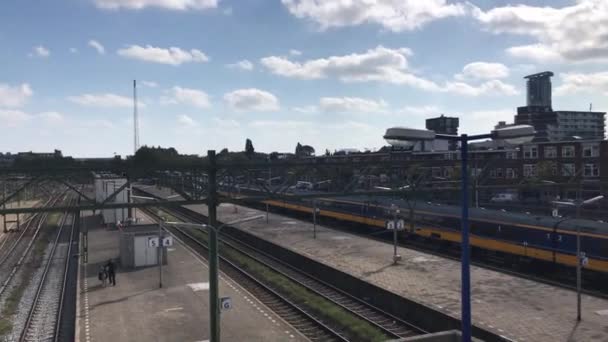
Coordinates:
(390,326)
(590,287)
(42,321)
(13,260)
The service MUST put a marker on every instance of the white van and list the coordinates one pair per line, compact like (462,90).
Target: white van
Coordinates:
(504,198)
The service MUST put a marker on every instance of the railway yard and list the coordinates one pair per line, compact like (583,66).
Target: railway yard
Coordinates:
(288,279)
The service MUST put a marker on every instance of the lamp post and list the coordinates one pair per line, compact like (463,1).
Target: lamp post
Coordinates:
(516,134)
(578,205)
(213,233)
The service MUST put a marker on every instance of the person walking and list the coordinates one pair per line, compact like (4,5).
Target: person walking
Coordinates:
(111,269)
(102,275)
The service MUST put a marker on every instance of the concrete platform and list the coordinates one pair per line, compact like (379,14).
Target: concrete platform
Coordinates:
(136,309)
(519,309)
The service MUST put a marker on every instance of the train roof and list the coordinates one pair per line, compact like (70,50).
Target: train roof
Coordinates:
(564,223)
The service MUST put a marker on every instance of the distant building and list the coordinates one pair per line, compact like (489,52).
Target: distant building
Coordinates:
(539,89)
(39,155)
(553,125)
(444,125)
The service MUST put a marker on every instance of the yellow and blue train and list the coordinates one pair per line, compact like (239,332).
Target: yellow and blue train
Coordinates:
(550,239)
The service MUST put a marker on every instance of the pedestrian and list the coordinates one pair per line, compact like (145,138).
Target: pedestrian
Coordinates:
(111,269)
(102,275)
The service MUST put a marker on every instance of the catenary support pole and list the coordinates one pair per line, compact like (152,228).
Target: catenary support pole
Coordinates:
(214,313)
(465,267)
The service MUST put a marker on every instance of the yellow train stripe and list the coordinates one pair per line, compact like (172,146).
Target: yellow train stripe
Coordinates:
(478,241)
(521,225)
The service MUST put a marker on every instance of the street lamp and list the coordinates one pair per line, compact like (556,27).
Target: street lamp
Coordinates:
(517,134)
(578,204)
(214,315)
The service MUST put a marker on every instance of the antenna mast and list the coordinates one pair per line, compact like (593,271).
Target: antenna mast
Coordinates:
(135,120)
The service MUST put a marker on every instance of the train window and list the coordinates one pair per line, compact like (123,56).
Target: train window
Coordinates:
(548,236)
(559,238)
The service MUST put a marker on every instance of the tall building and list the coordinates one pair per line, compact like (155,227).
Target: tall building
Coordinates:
(539,89)
(444,125)
(553,125)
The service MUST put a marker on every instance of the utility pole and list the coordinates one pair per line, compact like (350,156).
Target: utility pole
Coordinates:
(578,262)
(214,312)
(314,219)
(160,253)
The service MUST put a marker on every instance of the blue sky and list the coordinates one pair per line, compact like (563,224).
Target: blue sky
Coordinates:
(332,74)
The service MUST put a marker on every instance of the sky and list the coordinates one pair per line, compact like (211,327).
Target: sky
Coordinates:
(328,73)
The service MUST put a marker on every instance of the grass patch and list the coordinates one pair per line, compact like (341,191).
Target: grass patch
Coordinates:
(357,328)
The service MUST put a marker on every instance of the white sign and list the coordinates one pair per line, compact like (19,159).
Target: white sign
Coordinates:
(400,225)
(390,225)
(584,261)
(555,213)
(153,242)
(168,241)
(225,303)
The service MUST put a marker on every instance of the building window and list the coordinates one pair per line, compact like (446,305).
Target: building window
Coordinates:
(448,172)
(511,155)
(529,170)
(591,170)
(550,152)
(531,152)
(436,172)
(499,173)
(568,151)
(511,173)
(568,170)
(591,150)
(493,173)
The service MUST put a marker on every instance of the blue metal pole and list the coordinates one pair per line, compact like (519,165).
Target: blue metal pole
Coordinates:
(465,267)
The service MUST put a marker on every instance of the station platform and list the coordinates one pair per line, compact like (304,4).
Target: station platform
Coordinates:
(136,309)
(516,308)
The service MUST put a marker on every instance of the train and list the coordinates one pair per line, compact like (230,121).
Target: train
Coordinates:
(506,234)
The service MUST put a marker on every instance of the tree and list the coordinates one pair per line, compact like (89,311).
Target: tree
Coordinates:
(304,151)
(249,150)
(327,153)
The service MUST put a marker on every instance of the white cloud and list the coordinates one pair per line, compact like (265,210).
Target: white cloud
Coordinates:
(97,46)
(535,52)
(226,123)
(14,96)
(305,109)
(243,65)
(98,123)
(172,55)
(295,52)
(177,5)
(483,70)
(40,51)
(187,121)
(149,84)
(251,99)
(379,64)
(51,117)
(426,111)
(193,97)
(580,82)
(492,87)
(13,118)
(281,124)
(106,100)
(352,105)
(572,33)
(393,15)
